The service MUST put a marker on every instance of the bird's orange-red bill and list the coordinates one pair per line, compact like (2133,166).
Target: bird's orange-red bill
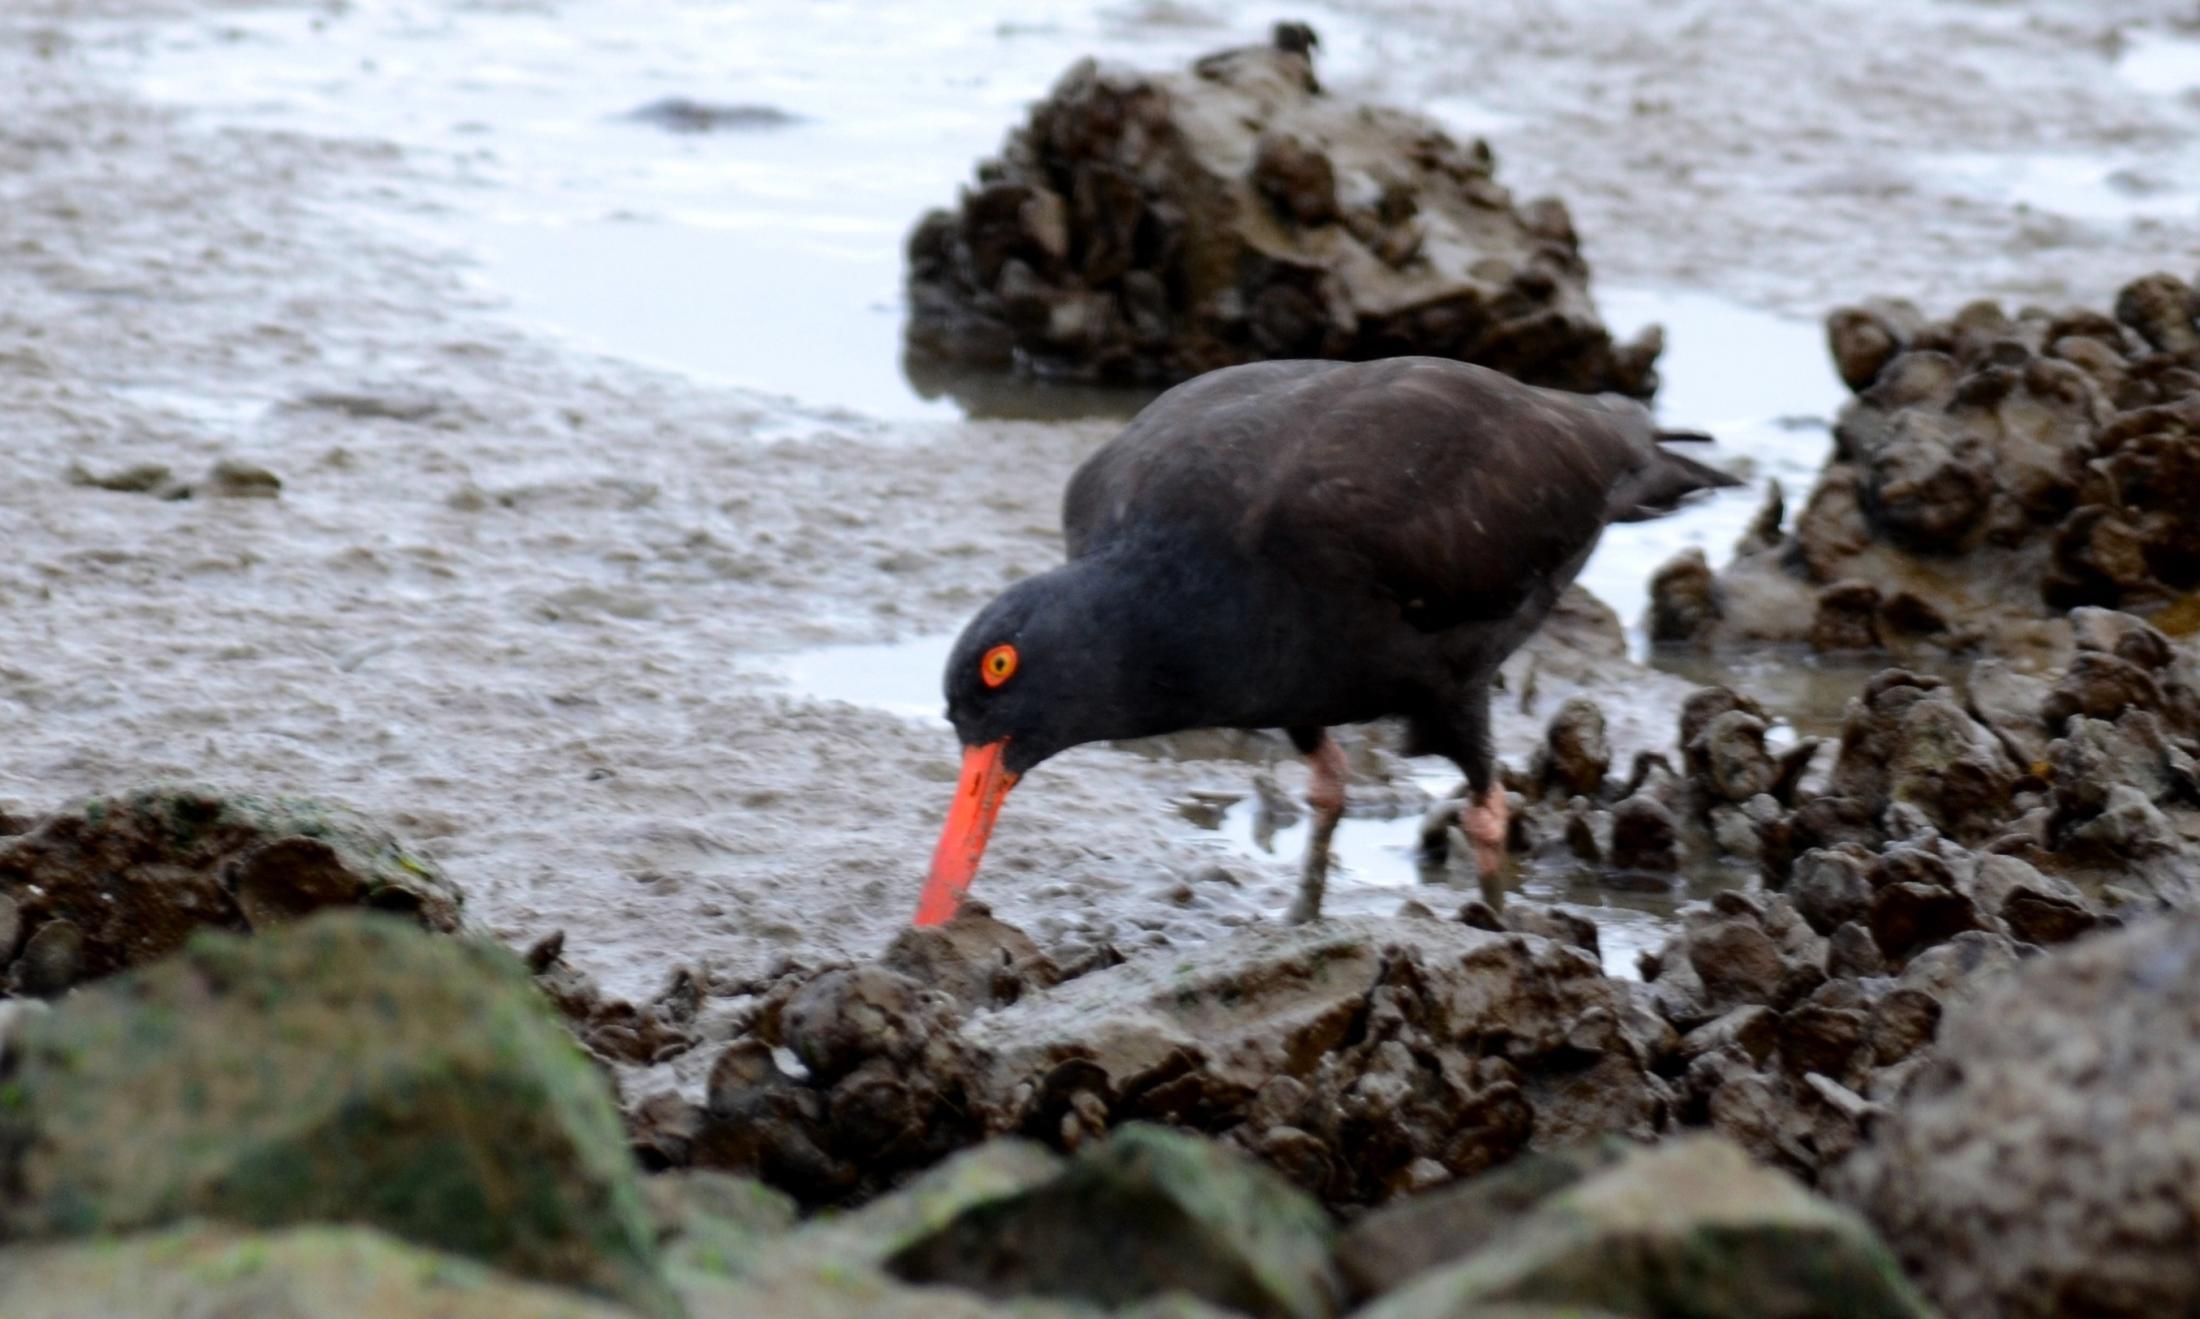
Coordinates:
(978,797)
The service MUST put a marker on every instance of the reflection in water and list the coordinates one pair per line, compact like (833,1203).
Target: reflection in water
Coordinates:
(994,396)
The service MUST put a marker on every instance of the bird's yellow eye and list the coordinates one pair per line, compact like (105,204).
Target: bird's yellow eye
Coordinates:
(998,666)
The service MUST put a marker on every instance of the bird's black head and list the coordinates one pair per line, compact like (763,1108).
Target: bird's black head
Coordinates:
(1037,669)
(1036,672)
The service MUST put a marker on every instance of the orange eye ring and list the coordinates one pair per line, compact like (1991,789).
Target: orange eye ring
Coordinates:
(998,666)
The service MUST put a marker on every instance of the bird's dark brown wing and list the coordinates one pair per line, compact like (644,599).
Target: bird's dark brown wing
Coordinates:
(1453,489)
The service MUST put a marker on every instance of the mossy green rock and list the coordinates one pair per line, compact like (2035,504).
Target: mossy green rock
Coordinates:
(1147,1212)
(987,1174)
(1690,1228)
(299,1273)
(349,1068)
(716,1223)
(1409,1236)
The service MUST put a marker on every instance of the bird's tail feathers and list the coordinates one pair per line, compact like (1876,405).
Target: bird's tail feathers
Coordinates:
(1660,486)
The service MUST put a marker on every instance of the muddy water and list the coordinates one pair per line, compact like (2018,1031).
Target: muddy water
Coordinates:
(635,438)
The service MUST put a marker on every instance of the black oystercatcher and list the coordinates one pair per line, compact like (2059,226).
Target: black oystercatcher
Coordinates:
(1297,545)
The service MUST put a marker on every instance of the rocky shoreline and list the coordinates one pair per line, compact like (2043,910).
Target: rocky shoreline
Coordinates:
(265,1025)
(1933,1047)
(1337,1115)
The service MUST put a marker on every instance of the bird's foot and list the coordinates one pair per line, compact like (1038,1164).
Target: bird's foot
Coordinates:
(1325,794)
(1484,821)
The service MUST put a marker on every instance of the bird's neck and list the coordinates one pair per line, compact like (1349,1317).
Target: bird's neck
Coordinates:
(1174,634)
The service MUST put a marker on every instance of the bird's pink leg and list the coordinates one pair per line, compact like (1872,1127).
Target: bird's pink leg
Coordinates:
(1325,796)
(1484,822)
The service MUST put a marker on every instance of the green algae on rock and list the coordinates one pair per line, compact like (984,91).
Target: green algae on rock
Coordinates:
(348,1069)
(318,1272)
(1690,1227)
(1146,1212)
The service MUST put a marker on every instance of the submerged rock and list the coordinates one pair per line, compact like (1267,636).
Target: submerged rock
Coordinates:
(685,114)
(350,1070)
(2043,1162)
(1149,227)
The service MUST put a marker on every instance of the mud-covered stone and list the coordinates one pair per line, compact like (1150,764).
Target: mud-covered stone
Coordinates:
(1576,754)
(349,1069)
(1731,751)
(974,959)
(1146,1212)
(1903,1020)
(137,874)
(1846,618)
(1737,963)
(1907,916)
(1990,472)
(1690,1227)
(1754,1030)
(1368,1052)
(1684,598)
(2043,1161)
(1816,1037)
(1151,226)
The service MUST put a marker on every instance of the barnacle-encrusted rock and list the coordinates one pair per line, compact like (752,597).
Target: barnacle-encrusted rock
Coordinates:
(1149,227)
(1991,472)
(124,880)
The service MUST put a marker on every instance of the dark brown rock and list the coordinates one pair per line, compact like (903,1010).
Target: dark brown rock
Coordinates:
(1577,754)
(1737,963)
(1818,1038)
(136,874)
(1830,888)
(974,959)
(1684,600)
(1847,618)
(1862,342)
(1645,836)
(1909,916)
(1148,227)
(1903,1021)
(1731,752)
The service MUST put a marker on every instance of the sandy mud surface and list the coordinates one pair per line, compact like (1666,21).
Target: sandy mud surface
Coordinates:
(528,600)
